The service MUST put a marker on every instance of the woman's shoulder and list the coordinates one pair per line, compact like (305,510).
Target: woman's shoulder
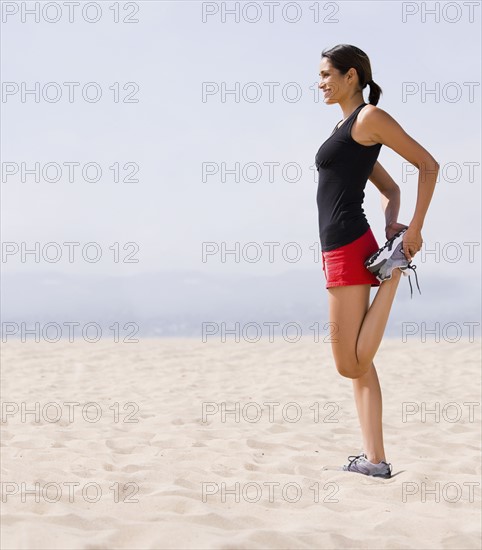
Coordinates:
(373,113)
(373,117)
(381,127)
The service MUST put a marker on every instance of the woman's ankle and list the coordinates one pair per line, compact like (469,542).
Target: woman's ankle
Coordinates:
(375,458)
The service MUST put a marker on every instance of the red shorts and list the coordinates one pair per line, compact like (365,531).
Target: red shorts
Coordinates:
(343,266)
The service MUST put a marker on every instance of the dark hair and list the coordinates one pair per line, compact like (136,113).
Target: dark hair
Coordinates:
(344,56)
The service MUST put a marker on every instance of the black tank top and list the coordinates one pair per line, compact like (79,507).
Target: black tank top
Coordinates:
(343,168)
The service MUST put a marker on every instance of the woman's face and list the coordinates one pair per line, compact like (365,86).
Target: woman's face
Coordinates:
(332,82)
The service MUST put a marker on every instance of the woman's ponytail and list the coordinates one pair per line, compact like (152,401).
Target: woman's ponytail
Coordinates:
(375,92)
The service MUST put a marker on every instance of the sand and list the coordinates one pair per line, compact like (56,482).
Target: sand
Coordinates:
(145,471)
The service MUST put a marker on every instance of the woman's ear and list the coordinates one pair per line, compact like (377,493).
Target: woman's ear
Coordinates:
(351,73)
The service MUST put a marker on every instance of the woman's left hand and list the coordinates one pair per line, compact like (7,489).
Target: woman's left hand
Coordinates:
(412,242)
(394,228)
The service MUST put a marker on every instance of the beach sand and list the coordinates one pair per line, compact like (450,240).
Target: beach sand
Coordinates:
(134,465)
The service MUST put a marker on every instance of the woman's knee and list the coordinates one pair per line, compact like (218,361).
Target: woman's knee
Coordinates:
(352,370)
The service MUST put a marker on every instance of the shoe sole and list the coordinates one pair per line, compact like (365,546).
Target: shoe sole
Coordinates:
(384,253)
(381,476)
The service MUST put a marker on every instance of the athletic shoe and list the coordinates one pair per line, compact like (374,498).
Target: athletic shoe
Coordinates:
(389,257)
(361,465)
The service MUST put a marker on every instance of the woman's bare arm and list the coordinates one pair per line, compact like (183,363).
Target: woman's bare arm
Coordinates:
(384,129)
(390,195)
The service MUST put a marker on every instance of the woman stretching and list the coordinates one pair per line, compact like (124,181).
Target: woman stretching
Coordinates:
(352,260)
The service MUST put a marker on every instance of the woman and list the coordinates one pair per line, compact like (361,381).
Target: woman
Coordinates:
(345,161)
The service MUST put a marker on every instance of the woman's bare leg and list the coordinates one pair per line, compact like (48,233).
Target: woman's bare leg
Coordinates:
(368,398)
(375,321)
(359,326)
(360,329)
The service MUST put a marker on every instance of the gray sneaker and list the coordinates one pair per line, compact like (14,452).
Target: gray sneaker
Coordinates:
(361,465)
(389,257)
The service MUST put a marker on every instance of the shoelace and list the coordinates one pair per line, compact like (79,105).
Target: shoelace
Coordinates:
(413,268)
(353,458)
